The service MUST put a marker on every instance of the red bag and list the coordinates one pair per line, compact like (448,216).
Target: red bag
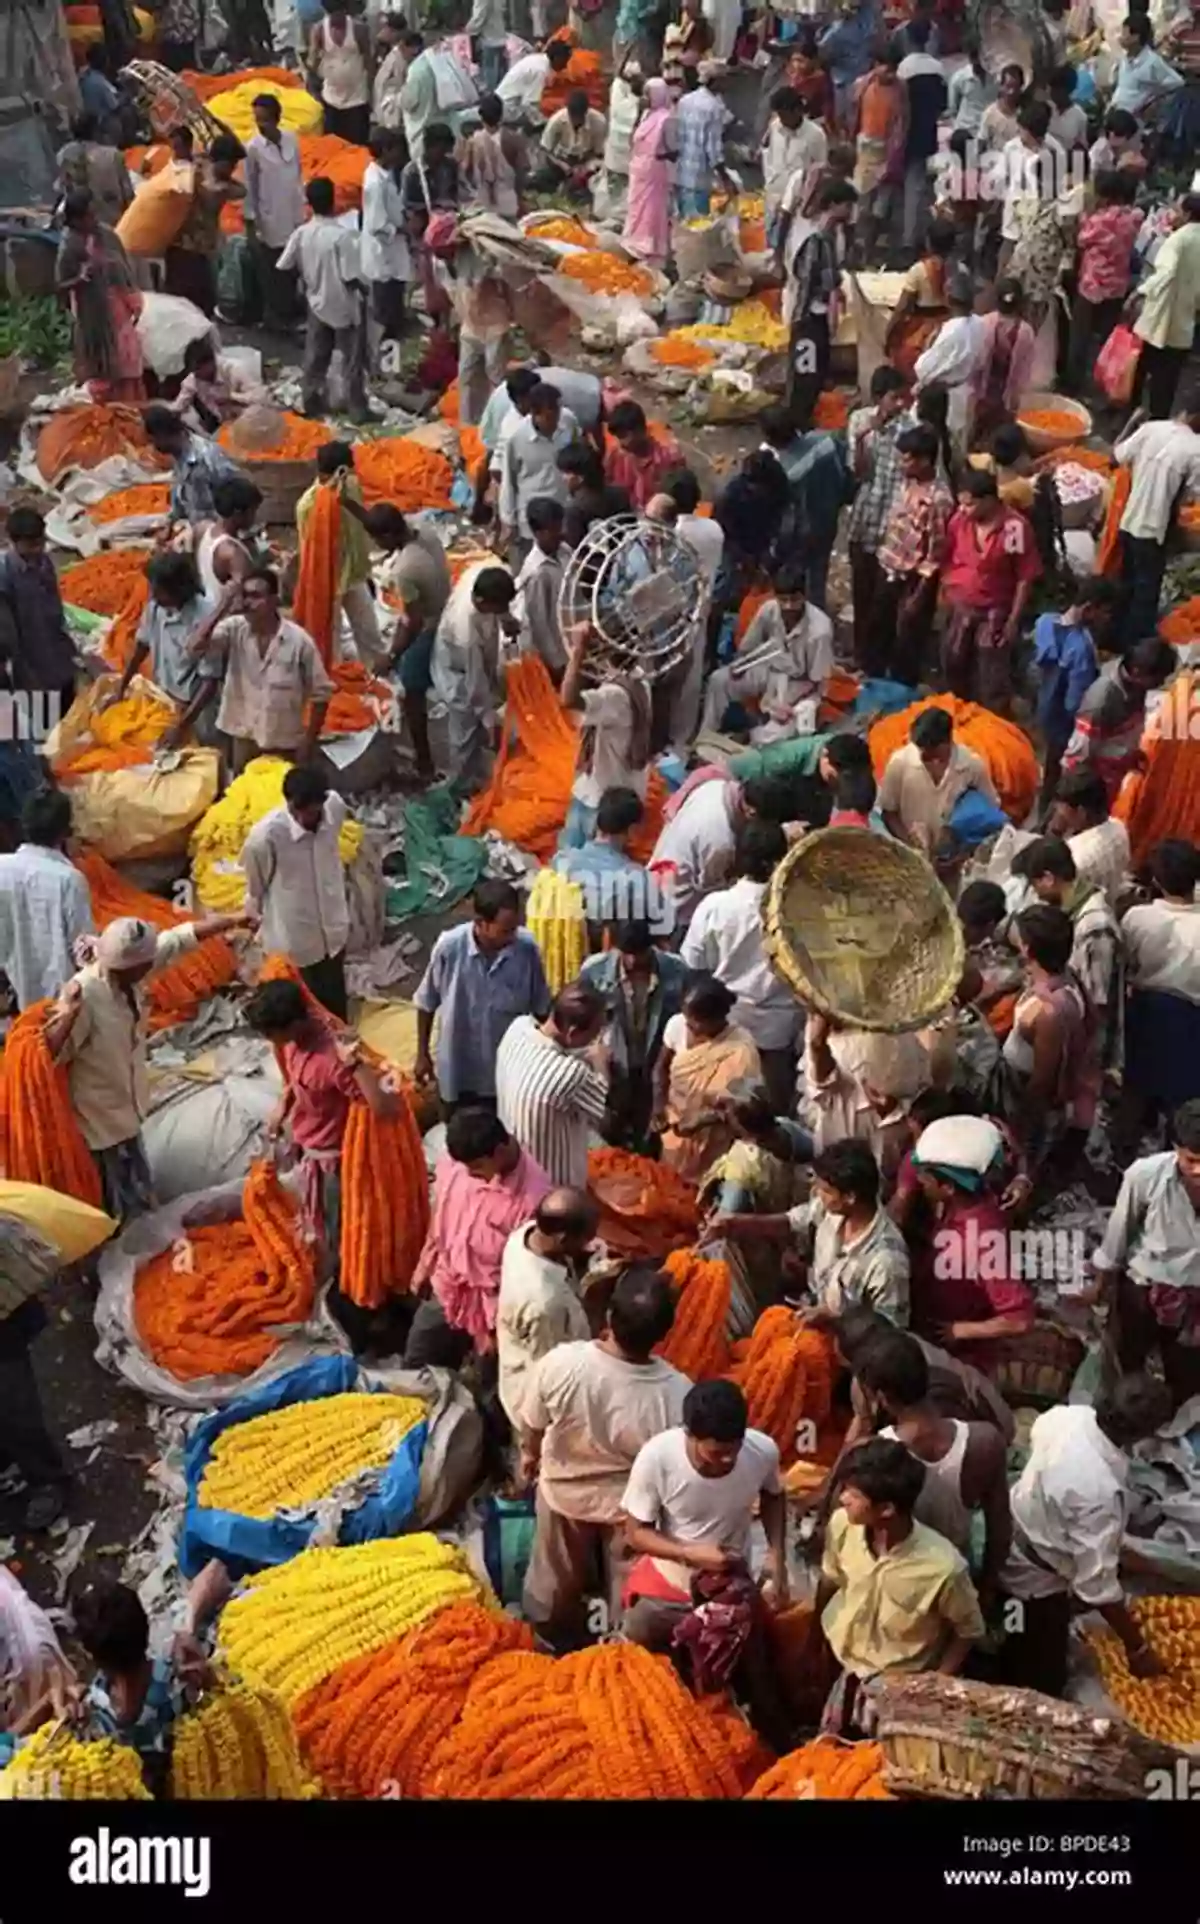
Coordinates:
(1117,364)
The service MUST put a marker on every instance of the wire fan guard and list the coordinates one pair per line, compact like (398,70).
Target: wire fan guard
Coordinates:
(639,588)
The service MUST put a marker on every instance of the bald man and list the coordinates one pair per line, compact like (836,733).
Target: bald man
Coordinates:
(540,1275)
(661,507)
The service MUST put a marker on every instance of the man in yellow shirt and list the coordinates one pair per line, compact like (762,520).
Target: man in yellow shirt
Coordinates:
(894,1594)
(352,596)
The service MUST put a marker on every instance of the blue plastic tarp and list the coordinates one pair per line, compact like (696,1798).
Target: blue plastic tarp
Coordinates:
(245,1544)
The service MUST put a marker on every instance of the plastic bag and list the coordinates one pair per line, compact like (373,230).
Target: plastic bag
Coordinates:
(167,325)
(141,810)
(155,216)
(1117,364)
(73,1228)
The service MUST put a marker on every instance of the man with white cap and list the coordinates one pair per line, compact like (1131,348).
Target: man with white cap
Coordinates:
(97,1030)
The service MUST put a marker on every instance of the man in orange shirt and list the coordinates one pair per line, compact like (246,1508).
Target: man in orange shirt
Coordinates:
(990,567)
(878,106)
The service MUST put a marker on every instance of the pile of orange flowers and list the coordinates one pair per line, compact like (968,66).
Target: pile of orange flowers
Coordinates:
(320,154)
(527,798)
(1078,457)
(698,1344)
(563,228)
(832,411)
(1189,516)
(403,473)
(174,993)
(786,1376)
(1162,802)
(378,1720)
(300,440)
(583,69)
(82,437)
(150,497)
(205,85)
(213,1314)
(646,1208)
(359,700)
(385,1184)
(673,352)
(102,584)
(40,1139)
(607,273)
(1006,748)
(1052,421)
(825,1769)
(472,450)
(1182,625)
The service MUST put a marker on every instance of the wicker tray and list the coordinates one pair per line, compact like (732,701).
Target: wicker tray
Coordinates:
(1038,1368)
(945,1738)
(863,931)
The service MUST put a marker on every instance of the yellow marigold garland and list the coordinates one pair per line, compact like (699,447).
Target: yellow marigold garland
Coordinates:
(1166,1707)
(295,1624)
(297,1455)
(55,1766)
(554,917)
(238,1743)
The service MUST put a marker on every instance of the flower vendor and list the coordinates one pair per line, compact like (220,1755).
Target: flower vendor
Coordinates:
(45,906)
(540,1306)
(482,975)
(296,884)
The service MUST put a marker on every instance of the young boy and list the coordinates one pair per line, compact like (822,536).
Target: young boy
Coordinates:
(1064,653)
(538,583)
(327,257)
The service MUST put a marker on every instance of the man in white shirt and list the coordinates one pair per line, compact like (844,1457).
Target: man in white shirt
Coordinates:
(572,148)
(538,584)
(1150,1259)
(523,85)
(792,146)
(1162,938)
(705,537)
(614,747)
(386,261)
(698,841)
(296,881)
(1163,458)
(274,206)
(529,463)
(328,260)
(725,939)
(1069,1512)
(924,779)
(1168,308)
(546,1094)
(1032,166)
(785,655)
(1098,842)
(588,1409)
(539,1304)
(465,667)
(45,905)
(274,686)
(489,24)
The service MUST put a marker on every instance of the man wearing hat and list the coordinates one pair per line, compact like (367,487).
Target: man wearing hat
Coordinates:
(700,120)
(97,1030)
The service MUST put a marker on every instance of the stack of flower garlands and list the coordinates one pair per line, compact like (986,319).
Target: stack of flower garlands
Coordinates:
(698,1344)
(825,1769)
(671,350)
(237,1743)
(174,993)
(583,70)
(55,1766)
(112,584)
(751,322)
(292,1457)
(1006,748)
(786,1374)
(122,735)
(554,917)
(527,797)
(385,1184)
(40,1140)
(220,834)
(402,472)
(604,273)
(404,1680)
(1162,802)
(146,498)
(646,1208)
(1167,1707)
(84,436)
(298,440)
(215,1307)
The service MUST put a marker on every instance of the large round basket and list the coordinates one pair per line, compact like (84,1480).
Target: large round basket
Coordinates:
(1043,440)
(945,1738)
(282,484)
(861,928)
(1036,1370)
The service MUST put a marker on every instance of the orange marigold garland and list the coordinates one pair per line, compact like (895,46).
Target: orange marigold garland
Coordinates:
(1005,747)
(174,993)
(40,1139)
(402,472)
(219,1312)
(646,1207)
(698,1344)
(377,1721)
(824,1769)
(786,1376)
(149,497)
(102,583)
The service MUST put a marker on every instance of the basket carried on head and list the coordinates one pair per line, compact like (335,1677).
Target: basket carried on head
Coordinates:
(1039,1367)
(863,931)
(638,588)
(169,103)
(945,1738)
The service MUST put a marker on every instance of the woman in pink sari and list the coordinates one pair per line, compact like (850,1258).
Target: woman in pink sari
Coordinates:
(648,222)
(93,271)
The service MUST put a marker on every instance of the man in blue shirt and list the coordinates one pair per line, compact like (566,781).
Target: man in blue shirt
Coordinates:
(482,975)
(1064,652)
(845,49)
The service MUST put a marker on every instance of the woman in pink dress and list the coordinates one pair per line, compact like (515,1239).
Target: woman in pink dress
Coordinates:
(648,222)
(93,272)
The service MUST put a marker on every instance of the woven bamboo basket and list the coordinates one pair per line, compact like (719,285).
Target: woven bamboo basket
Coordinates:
(945,1738)
(861,928)
(1038,1368)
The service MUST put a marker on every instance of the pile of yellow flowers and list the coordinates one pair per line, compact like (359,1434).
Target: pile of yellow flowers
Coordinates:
(1166,1707)
(295,1624)
(54,1766)
(555,919)
(295,1456)
(751,322)
(238,1743)
(219,835)
(235,107)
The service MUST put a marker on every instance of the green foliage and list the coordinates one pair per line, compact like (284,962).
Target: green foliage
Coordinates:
(37,330)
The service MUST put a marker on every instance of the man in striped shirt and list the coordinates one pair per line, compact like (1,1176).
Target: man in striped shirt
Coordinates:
(546,1093)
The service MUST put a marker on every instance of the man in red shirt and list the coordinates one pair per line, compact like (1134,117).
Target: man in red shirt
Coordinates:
(991,565)
(638,463)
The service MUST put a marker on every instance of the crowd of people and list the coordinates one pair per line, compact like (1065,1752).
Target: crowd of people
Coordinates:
(850,1175)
